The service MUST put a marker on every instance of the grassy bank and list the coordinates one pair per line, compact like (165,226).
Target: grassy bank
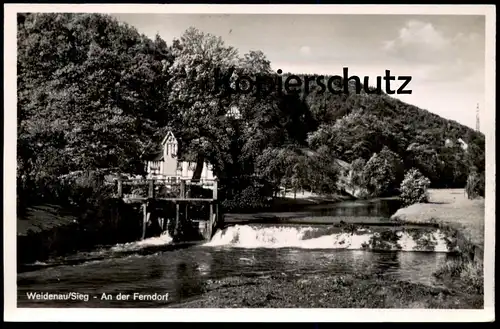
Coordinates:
(327,291)
(50,230)
(41,218)
(452,210)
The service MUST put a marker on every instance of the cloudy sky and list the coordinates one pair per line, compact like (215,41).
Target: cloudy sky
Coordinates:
(445,55)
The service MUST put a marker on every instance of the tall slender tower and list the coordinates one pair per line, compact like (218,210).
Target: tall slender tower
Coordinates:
(477,117)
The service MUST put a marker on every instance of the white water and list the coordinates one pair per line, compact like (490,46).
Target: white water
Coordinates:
(161,240)
(274,237)
(245,236)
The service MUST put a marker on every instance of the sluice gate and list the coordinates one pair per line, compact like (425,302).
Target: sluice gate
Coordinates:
(185,208)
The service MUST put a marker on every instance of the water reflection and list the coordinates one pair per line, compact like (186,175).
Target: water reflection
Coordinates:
(413,263)
(184,273)
(155,270)
(387,262)
(205,265)
(188,281)
(377,208)
(371,209)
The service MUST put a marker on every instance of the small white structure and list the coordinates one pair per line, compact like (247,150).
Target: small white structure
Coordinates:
(463,144)
(166,164)
(449,143)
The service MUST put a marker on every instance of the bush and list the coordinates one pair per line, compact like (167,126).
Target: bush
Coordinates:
(414,188)
(475,185)
(83,189)
(383,172)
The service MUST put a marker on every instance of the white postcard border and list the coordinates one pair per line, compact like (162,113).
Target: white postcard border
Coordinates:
(12,313)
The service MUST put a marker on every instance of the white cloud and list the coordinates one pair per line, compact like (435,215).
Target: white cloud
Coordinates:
(456,56)
(417,34)
(423,42)
(418,41)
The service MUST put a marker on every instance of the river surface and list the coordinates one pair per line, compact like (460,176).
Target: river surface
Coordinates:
(156,266)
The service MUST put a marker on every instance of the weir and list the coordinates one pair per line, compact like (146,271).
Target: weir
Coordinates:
(185,208)
(427,239)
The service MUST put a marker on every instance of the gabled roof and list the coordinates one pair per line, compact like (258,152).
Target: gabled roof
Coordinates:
(169,138)
(157,154)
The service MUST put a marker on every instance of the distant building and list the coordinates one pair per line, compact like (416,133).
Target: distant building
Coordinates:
(449,143)
(234,113)
(463,144)
(165,163)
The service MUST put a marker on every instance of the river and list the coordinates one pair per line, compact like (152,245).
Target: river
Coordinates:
(156,266)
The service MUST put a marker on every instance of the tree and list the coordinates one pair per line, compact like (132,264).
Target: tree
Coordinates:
(322,172)
(357,180)
(200,107)
(94,83)
(424,157)
(277,165)
(89,94)
(94,93)
(383,172)
(355,135)
(414,187)
(475,186)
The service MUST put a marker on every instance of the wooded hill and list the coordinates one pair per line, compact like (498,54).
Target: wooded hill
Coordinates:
(94,93)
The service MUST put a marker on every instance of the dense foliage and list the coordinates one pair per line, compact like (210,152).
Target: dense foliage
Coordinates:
(414,188)
(475,185)
(94,93)
(89,95)
(383,171)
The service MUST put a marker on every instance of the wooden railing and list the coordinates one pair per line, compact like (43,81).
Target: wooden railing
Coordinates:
(171,183)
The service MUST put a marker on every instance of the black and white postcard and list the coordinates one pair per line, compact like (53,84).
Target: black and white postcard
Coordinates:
(237,163)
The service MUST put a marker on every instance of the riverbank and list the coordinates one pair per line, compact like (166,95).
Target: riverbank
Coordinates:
(450,208)
(324,288)
(48,230)
(45,230)
(329,291)
(45,217)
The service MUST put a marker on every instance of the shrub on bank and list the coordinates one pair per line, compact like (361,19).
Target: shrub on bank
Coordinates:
(383,172)
(468,274)
(414,188)
(475,185)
